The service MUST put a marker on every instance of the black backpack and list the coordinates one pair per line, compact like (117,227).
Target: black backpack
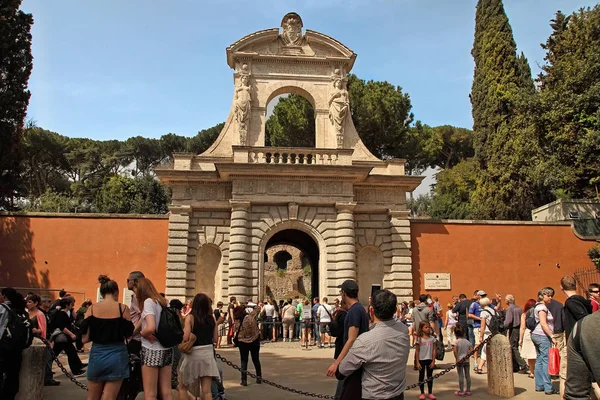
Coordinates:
(169,331)
(18,334)
(530,322)
(494,326)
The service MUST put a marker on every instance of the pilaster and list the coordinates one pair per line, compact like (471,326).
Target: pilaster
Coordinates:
(240,282)
(177,252)
(399,279)
(345,243)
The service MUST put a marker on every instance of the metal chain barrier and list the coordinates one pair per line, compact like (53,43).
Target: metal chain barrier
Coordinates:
(62,367)
(276,385)
(326,396)
(450,368)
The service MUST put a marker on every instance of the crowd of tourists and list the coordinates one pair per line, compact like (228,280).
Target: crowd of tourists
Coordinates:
(175,342)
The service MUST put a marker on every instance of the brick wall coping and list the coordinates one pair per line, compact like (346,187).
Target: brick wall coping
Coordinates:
(83,215)
(487,222)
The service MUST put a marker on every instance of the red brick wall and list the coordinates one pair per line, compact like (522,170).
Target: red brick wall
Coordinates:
(497,257)
(71,251)
(51,251)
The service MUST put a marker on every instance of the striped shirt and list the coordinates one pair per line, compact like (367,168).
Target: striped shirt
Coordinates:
(383,354)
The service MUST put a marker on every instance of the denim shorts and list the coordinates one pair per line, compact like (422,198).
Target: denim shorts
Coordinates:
(108,362)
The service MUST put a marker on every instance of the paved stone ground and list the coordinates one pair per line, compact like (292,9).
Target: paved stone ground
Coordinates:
(289,365)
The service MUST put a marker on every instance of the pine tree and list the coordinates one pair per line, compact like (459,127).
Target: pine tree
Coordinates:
(505,134)
(15,68)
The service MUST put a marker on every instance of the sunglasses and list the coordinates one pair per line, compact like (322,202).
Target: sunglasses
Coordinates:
(594,291)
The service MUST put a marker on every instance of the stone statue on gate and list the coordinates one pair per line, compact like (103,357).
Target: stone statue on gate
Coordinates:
(339,107)
(243,104)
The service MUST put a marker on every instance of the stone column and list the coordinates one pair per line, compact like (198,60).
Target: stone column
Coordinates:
(500,367)
(399,279)
(177,252)
(240,275)
(345,243)
(31,376)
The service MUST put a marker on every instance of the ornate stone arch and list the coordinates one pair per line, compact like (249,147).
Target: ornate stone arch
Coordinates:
(268,63)
(292,225)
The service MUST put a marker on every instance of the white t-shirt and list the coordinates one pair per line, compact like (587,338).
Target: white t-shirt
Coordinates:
(322,312)
(541,307)
(306,312)
(450,316)
(151,307)
(487,313)
(269,310)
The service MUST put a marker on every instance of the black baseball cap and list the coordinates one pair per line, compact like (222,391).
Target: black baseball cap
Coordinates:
(348,286)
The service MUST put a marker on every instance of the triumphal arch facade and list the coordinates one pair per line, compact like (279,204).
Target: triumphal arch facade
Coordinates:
(342,206)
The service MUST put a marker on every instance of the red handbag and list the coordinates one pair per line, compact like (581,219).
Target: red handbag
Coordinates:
(554,361)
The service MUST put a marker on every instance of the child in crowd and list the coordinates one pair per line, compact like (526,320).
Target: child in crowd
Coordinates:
(462,347)
(425,355)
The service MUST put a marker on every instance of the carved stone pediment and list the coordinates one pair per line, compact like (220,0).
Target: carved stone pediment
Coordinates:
(290,41)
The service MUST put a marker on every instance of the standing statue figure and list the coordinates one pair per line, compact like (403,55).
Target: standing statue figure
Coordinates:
(339,107)
(243,105)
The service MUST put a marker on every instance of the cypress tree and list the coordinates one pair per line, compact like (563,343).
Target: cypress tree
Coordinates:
(16,63)
(505,136)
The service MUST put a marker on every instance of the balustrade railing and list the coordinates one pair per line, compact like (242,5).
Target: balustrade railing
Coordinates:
(291,156)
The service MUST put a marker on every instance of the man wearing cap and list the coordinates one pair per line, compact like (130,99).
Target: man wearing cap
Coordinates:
(474,314)
(355,324)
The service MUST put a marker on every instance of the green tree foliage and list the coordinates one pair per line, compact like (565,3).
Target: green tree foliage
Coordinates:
(51,201)
(16,63)
(44,164)
(420,207)
(453,191)
(381,115)
(445,146)
(292,123)
(73,174)
(506,139)
(594,255)
(144,195)
(204,139)
(570,97)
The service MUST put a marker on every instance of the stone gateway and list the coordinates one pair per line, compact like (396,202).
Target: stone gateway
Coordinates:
(343,207)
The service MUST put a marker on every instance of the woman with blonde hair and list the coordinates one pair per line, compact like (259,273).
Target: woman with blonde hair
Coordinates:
(156,359)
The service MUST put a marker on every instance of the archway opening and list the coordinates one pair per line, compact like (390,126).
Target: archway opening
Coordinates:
(281,258)
(293,267)
(290,121)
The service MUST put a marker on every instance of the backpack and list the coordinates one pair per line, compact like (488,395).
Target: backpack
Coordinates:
(18,334)
(494,326)
(169,331)
(530,322)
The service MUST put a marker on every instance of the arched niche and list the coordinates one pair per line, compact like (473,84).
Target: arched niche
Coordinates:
(369,271)
(207,270)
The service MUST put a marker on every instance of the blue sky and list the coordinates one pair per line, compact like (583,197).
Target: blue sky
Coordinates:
(114,69)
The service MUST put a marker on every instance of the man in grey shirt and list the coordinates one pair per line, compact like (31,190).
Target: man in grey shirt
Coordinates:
(382,352)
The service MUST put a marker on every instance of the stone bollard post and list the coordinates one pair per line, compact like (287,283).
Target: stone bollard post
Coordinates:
(500,369)
(31,377)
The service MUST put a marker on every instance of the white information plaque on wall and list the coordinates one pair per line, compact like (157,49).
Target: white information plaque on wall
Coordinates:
(437,281)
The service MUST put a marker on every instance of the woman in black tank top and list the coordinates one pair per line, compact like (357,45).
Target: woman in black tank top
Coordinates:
(200,363)
(109,361)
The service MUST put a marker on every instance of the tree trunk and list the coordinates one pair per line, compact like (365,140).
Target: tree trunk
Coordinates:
(500,368)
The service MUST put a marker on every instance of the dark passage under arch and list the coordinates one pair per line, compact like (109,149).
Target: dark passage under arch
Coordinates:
(309,247)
